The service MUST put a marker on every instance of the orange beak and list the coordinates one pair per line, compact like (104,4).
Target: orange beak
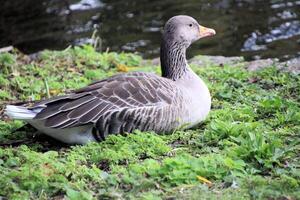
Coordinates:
(206,32)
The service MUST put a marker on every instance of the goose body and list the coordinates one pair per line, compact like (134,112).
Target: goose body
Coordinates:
(125,102)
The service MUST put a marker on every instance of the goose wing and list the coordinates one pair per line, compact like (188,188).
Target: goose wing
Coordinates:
(116,104)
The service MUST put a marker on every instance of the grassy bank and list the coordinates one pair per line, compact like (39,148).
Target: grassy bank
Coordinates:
(248,148)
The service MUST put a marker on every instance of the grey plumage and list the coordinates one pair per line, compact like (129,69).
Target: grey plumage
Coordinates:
(118,104)
(137,100)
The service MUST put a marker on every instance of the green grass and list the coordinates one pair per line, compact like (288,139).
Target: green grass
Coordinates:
(248,148)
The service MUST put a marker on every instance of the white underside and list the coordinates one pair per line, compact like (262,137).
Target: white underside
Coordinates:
(76,135)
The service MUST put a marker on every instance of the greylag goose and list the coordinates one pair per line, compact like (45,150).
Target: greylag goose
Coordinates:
(125,102)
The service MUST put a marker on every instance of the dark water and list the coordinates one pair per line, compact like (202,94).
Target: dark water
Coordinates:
(251,28)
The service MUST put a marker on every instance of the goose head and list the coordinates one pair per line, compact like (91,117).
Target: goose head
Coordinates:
(185,30)
(179,33)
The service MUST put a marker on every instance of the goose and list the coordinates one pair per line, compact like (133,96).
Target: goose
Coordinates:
(130,101)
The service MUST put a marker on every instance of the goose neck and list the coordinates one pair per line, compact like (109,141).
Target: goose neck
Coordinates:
(173,60)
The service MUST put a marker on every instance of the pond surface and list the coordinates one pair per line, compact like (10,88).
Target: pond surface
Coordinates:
(251,28)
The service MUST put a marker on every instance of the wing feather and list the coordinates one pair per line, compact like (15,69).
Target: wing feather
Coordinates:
(76,103)
(117,104)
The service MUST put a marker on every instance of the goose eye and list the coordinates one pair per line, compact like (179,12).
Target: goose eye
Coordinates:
(190,25)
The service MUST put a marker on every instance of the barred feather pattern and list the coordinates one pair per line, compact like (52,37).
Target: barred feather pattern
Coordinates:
(121,103)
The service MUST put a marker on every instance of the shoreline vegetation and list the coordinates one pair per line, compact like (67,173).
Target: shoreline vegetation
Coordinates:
(248,148)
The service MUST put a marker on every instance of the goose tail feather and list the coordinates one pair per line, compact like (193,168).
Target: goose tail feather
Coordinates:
(19,112)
